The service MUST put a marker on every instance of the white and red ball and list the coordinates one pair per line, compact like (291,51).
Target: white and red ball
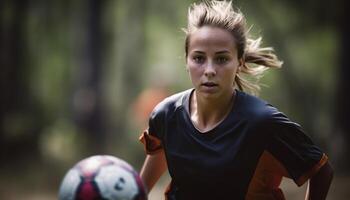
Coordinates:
(102,177)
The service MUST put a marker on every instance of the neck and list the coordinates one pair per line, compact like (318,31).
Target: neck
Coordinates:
(206,113)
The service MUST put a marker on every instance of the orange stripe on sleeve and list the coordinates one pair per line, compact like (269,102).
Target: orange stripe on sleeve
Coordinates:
(152,144)
(312,171)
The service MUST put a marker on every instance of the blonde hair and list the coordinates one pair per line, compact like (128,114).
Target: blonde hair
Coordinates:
(221,14)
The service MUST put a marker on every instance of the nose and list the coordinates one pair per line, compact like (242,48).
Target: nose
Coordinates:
(209,70)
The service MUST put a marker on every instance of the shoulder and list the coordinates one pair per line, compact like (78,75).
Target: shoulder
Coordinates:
(253,107)
(170,104)
(260,111)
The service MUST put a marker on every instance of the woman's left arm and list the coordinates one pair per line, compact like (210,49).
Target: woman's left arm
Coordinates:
(319,183)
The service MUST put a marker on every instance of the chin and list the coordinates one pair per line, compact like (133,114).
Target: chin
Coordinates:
(209,94)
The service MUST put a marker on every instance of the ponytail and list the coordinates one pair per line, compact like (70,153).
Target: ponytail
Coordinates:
(256,60)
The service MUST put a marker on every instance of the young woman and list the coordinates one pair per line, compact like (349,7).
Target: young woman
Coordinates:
(217,141)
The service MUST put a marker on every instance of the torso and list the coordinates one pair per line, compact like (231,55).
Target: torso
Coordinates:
(222,162)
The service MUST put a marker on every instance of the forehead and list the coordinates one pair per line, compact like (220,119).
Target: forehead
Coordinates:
(212,38)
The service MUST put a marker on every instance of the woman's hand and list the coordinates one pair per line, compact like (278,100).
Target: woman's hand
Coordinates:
(319,184)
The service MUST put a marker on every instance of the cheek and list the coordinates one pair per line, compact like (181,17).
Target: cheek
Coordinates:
(228,74)
(194,72)
(193,68)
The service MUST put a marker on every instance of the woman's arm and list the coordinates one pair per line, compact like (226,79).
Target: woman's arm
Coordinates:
(319,184)
(152,169)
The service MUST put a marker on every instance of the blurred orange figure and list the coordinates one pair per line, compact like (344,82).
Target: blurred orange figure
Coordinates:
(145,102)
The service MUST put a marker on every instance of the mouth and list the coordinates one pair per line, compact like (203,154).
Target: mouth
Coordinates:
(209,84)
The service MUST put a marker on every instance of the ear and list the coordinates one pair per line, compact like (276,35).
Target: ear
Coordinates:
(240,64)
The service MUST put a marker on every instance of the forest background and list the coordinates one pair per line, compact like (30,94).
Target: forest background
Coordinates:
(79,78)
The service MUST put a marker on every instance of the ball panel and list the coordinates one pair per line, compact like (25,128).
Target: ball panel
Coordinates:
(90,166)
(88,190)
(69,185)
(119,162)
(115,182)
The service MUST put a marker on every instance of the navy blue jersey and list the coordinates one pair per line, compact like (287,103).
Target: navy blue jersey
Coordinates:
(243,157)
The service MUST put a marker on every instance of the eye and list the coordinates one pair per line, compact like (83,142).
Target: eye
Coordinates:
(221,60)
(198,59)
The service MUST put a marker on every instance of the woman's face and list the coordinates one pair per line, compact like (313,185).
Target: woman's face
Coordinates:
(212,61)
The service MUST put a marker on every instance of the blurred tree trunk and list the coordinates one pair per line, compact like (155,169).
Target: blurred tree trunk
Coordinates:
(342,120)
(18,130)
(87,97)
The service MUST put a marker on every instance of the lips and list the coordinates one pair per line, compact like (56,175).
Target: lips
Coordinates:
(209,84)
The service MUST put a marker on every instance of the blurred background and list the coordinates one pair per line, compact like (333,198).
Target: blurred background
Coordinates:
(79,78)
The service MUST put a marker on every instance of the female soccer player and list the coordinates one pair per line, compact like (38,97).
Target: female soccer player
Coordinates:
(217,141)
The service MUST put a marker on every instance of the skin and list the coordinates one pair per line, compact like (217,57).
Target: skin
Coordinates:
(152,169)
(212,64)
(319,184)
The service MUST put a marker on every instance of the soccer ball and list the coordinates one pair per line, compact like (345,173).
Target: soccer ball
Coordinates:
(102,177)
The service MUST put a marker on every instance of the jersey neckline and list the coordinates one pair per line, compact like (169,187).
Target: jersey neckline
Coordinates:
(212,132)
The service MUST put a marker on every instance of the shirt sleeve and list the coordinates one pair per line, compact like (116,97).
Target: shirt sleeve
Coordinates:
(151,137)
(294,149)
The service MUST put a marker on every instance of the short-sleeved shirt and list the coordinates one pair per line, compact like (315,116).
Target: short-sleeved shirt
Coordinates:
(243,157)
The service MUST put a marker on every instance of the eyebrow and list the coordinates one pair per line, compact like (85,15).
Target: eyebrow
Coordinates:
(219,52)
(222,52)
(199,52)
